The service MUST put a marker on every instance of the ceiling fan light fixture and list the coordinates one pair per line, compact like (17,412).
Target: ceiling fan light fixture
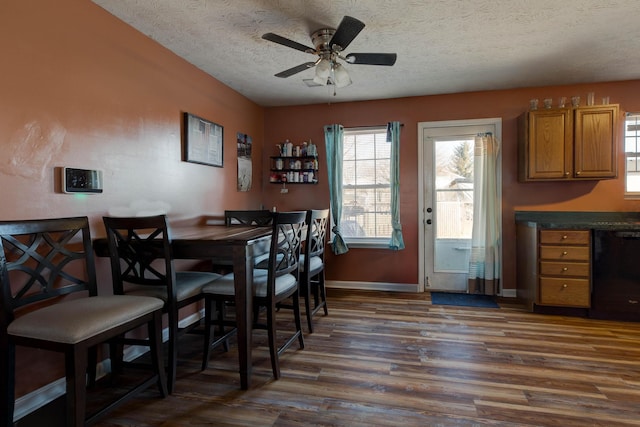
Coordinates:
(323,70)
(341,76)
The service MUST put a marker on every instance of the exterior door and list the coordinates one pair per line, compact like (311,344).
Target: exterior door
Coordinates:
(447,186)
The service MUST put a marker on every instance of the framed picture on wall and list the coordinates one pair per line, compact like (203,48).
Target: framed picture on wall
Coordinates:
(203,141)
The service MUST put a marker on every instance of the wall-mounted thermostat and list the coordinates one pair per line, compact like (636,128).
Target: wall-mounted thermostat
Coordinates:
(81,180)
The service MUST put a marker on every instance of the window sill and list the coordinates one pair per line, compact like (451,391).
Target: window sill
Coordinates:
(367,244)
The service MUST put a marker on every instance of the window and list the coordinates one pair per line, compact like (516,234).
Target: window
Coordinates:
(632,153)
(366,190)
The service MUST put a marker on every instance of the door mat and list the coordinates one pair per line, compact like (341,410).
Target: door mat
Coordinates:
(465,300)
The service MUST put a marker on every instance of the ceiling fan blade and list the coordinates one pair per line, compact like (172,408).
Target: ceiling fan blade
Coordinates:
(295,70)
(372,58)
(287,42)
(348,29)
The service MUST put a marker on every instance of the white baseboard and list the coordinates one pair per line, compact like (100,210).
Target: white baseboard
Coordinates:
(374,286)
(393,287)
(509,293)
(38,398)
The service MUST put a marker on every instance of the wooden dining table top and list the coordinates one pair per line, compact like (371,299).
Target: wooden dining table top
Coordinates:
(221,233)
(202,240)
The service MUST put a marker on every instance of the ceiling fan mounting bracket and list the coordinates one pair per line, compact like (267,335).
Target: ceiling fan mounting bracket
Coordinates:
(321,39)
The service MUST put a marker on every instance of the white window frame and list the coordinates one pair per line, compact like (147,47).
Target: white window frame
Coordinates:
(631,119)
(367,242)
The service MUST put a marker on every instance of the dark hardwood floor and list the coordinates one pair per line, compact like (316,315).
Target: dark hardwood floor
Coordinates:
(394,359)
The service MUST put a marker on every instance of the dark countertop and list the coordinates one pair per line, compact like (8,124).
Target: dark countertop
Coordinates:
(580,220)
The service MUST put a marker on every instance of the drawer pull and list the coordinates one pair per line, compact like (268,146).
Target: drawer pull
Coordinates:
(565,269)
(564,252)
(564,285)
(633,301)
(564,237)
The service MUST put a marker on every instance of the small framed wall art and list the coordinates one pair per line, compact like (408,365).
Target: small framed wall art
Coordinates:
(203,141)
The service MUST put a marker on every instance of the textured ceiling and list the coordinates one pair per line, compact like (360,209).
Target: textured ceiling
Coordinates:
(443,46)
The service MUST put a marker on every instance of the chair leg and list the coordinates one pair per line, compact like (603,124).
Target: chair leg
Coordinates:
(154,328)
(271,332)
(7,381)
(116,355)
(92,366)
(173,350)
(207,333)
(220,307)
(307,302)
(76,371)
(323,292)
(296,315)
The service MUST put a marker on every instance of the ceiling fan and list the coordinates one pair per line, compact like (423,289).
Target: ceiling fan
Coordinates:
(329,47)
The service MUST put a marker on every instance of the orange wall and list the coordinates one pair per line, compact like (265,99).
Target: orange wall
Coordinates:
(378,265)
(80,88)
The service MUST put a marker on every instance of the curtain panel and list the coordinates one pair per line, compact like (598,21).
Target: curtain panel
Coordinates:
(393,136)
(484,264)
(333,138)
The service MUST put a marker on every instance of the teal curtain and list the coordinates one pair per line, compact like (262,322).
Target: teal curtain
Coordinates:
(484,264)
(333,138)
(393,136)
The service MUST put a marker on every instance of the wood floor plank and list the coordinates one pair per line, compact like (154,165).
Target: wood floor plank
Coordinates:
(395,359)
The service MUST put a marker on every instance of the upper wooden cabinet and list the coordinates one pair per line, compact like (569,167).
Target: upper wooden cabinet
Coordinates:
(568,143)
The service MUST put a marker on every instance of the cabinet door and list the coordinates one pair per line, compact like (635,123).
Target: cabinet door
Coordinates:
(595,142)
(549,151)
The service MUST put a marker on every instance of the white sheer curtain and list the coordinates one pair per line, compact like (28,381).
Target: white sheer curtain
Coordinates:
(484,264)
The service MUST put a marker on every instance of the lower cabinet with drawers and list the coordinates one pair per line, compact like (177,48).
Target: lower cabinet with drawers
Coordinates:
(553,267)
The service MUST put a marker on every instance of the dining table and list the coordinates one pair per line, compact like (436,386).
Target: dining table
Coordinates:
(238,245)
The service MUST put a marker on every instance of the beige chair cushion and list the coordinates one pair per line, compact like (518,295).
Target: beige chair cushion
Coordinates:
(76,320)
(315,263)
(224,286)
(188,284)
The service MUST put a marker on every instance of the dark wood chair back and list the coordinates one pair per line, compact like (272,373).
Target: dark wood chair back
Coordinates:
(286,241)
(312,277)
(317,223)
(248,217)
(44,260)
(140,252)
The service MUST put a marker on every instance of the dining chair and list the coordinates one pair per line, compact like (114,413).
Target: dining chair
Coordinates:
(312,264)
(142,264)
(271,286)
(50,301)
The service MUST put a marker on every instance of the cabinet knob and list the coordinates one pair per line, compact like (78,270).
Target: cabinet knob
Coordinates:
(564,285)
(566,174)
(564,237)
(565,269)
(578,173)
(633,301)
(564,252)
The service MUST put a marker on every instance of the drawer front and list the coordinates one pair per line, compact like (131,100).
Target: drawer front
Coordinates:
(579,269)
(564,292)
(560,253)
(566,237)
